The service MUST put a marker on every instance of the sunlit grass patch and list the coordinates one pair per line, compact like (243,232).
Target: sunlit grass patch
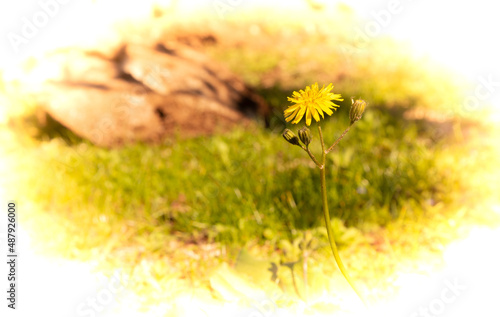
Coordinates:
(230,188)
(161,206)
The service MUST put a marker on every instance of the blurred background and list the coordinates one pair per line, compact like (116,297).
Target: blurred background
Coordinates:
(142,144)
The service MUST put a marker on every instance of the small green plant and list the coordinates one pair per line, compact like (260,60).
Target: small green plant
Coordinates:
(313,102)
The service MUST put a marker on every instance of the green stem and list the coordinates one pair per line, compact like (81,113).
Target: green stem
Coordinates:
(328,223)
(338,140)
(311,155)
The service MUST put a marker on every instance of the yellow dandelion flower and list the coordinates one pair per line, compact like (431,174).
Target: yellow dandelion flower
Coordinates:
(312,102)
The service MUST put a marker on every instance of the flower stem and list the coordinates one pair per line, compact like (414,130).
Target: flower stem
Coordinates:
(328,223)
(311,155)
(338,140)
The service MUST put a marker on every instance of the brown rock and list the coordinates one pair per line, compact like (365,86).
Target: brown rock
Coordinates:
(174,68)
(107,115)
(143,94)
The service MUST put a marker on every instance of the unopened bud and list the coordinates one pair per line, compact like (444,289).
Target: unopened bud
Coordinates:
(291,137)
(357,109)
(305,136)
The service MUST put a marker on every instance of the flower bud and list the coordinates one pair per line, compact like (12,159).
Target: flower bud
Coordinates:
(357,109)
(305,136)
(291,137)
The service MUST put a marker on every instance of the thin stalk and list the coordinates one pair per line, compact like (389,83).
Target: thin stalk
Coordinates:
(338,140)
(326,213)
(311,155)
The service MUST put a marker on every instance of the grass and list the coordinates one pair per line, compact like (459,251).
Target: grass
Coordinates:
(250,189)
(230,188)
(185,206)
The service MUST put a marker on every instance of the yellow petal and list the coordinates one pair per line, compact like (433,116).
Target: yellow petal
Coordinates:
(299,115)
(318,110)
(308,117)
(314,113)
(326,108)
(328,111)
(292,109)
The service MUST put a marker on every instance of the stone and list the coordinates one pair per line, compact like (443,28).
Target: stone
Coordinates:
(143,93)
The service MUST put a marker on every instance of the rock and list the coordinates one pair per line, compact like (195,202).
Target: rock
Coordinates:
(142,94)
(71,66)
(107,115)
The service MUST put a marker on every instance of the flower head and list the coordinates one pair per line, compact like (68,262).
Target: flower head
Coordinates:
(312,102)
(305,136)
(291,137)
(357,109)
